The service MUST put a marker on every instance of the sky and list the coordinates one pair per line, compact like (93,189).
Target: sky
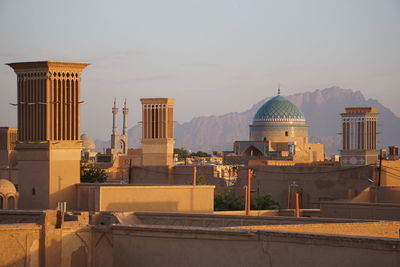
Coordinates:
(213,56)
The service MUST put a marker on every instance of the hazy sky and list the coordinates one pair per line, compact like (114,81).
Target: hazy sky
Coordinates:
(213,56)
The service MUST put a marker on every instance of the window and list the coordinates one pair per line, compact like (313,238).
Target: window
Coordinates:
(286,133)
(33,191)
(1,202)
(11,203)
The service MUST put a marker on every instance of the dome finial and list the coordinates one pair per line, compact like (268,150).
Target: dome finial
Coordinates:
(279,88)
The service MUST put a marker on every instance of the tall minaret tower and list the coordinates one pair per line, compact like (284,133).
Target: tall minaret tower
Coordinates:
(124,137)
(114,135)
(48,142)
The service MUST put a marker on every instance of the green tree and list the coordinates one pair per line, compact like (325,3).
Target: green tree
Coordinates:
(264,202)
(200,154)
(228,201)
(91,173)
(182,153)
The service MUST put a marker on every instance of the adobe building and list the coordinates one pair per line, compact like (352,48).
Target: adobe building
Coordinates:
(8,156)
(359,136)
(49,149)
(158,131)
(48,143)
(279,136)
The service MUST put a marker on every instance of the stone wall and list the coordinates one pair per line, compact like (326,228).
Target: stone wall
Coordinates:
(178,175)
(375,211)
(172,246)
(19,245)
(158,198)
(318,183)
(45,239)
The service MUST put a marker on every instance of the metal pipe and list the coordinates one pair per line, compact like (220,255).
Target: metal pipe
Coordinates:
(297,205)
(194,175)
(248,191)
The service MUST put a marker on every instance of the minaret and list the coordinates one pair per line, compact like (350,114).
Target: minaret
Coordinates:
(125,112)
(124,137)
(114,135)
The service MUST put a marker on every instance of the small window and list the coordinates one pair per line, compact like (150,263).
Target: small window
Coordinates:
(11,203)
(265,138)
(1,202)
(286,133)
(33,191)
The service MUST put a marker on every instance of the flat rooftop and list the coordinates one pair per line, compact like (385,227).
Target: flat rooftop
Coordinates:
(365,229)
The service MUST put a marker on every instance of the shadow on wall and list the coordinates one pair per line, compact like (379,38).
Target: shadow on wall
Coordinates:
(24,245)
(143,206)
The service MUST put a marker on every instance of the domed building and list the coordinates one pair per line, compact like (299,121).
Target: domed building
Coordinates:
(8,195)
(87,142)
(279,131)
(279,120)
(87,147)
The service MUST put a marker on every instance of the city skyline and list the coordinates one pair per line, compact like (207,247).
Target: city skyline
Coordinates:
(214,58)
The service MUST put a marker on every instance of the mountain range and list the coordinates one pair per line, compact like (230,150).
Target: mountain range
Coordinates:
(321,108)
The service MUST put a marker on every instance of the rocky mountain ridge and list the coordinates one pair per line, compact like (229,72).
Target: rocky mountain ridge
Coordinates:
(321,108)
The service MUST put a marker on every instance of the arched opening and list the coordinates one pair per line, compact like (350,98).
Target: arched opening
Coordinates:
(122,146)
(1,202)
(252,151)
(11,203)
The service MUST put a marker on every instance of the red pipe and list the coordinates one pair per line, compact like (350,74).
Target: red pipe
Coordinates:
(297,205)
(248,190)
(194,175)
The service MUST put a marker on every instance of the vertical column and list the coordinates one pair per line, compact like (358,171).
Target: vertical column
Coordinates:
(170,122)
(78,106)
(153,127)
(55,108)
(73,108)
(345,134)
(163,121)
(19,106)
(374,133)
(34,106)
(358,133)
(143,122)
(368,134)
(64,108)
(39,106)
(30,107)
(362,133)
(146,121)
(68,107)
(49,106)
(350,134)
(159,107)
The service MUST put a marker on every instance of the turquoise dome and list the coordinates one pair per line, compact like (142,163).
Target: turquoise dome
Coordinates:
(279,110)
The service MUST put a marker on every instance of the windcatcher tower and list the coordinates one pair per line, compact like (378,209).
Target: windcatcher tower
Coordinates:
(157,131)
(359,136)
(48,143)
